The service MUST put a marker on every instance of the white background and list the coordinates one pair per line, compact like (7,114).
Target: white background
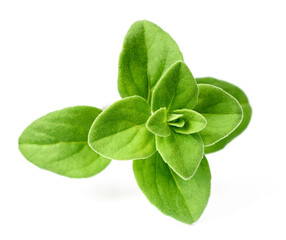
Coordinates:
(55,54)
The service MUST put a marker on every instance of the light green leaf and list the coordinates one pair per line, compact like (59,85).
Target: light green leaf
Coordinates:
(242,99)
(120,132)
(183,153)
(147,53)
(157,123)
(171,117)
(184,200)
(58,142)
(177,123)
(194,122)
(222,112)
(177,89)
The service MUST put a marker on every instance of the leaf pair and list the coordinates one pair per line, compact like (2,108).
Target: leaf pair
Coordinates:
(182,121)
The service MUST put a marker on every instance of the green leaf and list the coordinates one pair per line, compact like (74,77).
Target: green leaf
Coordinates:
(157,123)
(222,112)
(181,152)
(171,117)
(177,89)
(58,142)
(242,99)
(120,132)
(177,123)
(184,200)
(194,122)
(147,53)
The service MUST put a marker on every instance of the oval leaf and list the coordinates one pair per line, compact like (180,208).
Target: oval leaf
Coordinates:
(147,53)
(172,117)
(184,200)
(222,112)
(120,132)
(241,97)
(178,123)
(177,89)
(157,123)
(58,142)
(183,153)
(194,122)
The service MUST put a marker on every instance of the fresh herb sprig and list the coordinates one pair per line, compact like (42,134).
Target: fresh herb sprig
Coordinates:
(166,122)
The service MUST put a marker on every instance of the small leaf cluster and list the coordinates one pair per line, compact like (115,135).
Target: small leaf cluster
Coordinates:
(165,122)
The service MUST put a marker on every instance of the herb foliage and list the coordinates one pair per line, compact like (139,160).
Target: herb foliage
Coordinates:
(165,122)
